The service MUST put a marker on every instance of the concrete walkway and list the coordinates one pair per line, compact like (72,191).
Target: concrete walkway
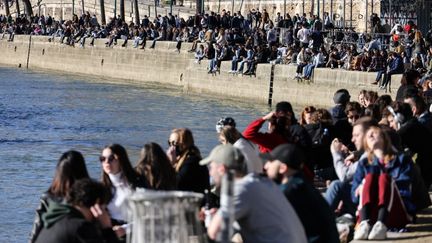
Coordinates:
(419,232)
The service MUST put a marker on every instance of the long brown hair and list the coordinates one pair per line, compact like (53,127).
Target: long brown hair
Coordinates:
(307,109)
(186,145)
(125,166)
(155,166)
(231,134)
(387,145)
(70,168)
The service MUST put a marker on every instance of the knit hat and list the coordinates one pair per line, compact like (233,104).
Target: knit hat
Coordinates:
(341,96)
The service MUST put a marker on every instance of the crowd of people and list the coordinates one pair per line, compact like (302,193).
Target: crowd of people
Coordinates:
(306,41)
(371,155)
(363,162)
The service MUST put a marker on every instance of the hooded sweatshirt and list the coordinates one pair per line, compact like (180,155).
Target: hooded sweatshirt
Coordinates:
(63,223)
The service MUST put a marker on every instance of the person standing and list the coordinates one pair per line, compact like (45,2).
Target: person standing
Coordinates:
(303,35)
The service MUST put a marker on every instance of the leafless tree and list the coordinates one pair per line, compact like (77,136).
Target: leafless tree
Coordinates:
(28,8)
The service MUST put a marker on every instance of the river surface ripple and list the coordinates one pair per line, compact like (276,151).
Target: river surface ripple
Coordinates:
(43,115)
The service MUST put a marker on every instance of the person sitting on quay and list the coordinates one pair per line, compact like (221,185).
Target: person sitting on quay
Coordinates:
(234,29)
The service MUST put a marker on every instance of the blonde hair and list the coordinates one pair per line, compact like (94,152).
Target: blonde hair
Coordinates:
(417,36)
(186,145)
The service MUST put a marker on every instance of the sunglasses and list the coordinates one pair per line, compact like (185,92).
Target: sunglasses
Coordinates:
(172,143)
(109,158)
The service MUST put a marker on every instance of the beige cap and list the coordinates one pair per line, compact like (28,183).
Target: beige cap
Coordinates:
(225,154)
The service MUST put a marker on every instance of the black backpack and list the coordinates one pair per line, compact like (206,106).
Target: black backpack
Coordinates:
(319,134)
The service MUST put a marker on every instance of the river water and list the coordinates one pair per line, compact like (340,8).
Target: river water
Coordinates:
(43,115)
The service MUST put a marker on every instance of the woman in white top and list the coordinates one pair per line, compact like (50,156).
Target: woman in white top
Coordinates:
(119,175)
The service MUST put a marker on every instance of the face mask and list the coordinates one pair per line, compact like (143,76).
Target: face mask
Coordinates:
(177,150)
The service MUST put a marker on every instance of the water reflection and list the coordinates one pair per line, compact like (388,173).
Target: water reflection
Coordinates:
(42,116)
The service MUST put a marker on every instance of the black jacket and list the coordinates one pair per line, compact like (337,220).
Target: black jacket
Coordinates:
(312,209)
(192,176)
(416,138)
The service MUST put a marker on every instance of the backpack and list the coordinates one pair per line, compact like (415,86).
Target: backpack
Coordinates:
(320,148)
(320,135)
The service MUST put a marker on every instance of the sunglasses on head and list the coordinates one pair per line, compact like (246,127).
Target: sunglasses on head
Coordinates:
(109,158)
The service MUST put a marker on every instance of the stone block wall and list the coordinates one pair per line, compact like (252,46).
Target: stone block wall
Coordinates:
(164,65)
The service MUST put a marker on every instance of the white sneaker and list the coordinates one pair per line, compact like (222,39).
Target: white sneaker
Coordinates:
(362,231)
(378,232)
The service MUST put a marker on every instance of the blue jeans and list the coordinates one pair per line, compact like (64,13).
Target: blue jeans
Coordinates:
(380,73)
(308,70)
(234,63)
(340,191)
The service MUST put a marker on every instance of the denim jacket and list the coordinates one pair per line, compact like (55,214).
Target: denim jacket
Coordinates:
(400,169)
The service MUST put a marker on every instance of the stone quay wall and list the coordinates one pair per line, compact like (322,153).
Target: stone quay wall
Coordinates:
(165,66)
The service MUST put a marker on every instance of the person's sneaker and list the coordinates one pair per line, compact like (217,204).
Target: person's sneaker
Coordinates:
(378,232)
(362,231)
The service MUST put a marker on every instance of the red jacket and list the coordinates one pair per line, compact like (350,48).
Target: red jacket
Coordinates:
(268,141)
(265,141)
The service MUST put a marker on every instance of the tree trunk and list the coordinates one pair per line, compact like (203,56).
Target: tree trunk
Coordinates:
(102,12)
(6,3)
(137,17)
(17,7)
(82,4)
(199,6)
(28,8)
(122,10)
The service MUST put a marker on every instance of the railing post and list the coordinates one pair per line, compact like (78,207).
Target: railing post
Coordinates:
(28,52)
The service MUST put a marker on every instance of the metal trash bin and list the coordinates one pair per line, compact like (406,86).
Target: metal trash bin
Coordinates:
(164,216)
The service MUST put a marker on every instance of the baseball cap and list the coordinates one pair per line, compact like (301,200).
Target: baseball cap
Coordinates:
(225,121)
(289,154)
(227,155)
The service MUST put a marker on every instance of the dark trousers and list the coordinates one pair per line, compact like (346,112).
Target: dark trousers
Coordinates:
(387,78)
(300,68)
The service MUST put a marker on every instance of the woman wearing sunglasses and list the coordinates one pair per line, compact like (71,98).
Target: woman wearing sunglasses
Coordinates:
(119,175)
(185,157)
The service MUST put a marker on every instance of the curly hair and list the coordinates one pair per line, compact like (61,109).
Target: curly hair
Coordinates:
(88,192)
